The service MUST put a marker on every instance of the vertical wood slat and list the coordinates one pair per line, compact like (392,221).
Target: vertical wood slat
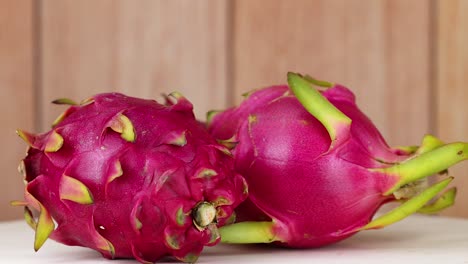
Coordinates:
(16,96)
(451,90)
(380,49)
(141,49)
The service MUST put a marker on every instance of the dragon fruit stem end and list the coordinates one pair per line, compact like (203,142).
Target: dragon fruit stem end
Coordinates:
(248,233)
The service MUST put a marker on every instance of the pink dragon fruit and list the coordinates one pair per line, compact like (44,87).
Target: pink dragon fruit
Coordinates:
(130,178)
(318,169)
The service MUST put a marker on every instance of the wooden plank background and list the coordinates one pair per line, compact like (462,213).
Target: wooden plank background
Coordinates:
(451,98)
(405,60)
(141,49)
(17,102)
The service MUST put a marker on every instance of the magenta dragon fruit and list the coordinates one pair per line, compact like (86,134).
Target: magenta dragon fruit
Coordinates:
(130,178)
(318,169)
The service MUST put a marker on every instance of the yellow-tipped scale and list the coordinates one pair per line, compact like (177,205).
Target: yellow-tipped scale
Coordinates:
(122,124)
(54,142)
(45,225)
(73,190)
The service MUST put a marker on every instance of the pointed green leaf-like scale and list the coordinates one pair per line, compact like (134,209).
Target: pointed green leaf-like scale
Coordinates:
(135,222)
(87,101)
(121,124)
(181,217)
(181,104)
(206,173)
(177,139)
(177,95)
(45,226)
(409,207)
(54,142)
(115,171)
(22,168)
(230,143)
(62,116)
(167,99)
(27,137)
(73,190)
(106,246)
(189,258)
(28,216)
(444,201)
(64,101)
(18,203)
(318,82)
(426,164)
(172,241)
(210,115)
(336,123)
(247,94)
(429,143)
(225,150)
(59,119)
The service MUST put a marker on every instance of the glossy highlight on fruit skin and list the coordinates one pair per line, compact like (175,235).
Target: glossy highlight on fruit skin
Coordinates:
(318,169)
(129,178)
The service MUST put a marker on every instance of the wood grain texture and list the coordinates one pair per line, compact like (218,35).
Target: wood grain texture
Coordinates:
(380,49)
(451,90)
(16,97)
(142,49)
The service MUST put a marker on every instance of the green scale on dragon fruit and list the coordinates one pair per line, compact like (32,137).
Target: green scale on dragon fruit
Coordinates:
(130,178)
(318,169)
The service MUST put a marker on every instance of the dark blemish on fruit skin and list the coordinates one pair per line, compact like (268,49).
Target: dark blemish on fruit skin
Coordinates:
(460,152)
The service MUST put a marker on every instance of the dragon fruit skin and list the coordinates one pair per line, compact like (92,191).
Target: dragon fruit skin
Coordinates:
(318,169)
(130,178)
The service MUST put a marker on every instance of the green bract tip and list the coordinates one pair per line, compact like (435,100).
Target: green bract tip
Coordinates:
(64,101)
(409,207)
(446,200)
(335,121)
(426,164)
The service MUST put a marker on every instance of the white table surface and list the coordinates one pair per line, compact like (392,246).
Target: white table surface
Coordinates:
(417,239)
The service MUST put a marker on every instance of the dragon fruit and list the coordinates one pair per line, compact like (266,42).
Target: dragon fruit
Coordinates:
(129,178)
(318,170)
